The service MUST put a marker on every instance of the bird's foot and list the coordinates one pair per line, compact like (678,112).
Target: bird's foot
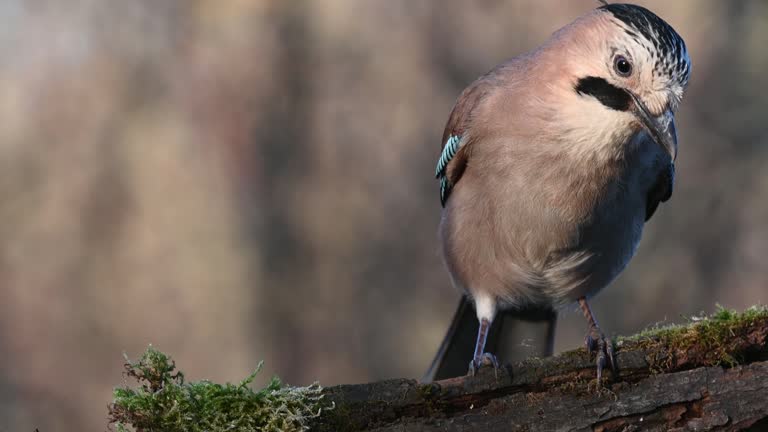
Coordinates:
(486,359)
(596,343)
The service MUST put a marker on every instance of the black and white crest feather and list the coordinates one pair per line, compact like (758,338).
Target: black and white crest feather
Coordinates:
(670,52)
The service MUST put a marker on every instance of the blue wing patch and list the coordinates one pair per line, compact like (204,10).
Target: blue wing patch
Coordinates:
(445,188)
(450,149)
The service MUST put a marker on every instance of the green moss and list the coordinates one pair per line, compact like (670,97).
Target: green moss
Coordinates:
(340,419)
(165,402)
(431,395)
(429,390)
(713,338)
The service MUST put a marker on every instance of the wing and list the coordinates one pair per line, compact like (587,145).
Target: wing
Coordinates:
(456,144)
(661,190)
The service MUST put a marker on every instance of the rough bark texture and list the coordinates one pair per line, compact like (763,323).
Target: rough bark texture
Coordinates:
(679,381)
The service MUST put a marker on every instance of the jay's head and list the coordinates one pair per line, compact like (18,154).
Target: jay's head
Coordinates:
(624,69)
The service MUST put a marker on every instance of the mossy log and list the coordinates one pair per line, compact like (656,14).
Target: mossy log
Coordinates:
(709,375)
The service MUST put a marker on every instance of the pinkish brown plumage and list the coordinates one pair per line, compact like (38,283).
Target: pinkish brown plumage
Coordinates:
(553,161)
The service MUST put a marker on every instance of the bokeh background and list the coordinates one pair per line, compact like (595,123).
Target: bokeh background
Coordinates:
(241,180)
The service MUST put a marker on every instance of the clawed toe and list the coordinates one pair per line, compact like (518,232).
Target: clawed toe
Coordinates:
(603,353)
(487,359)
(596,342)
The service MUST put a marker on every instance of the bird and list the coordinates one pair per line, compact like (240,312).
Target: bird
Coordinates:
(551,164)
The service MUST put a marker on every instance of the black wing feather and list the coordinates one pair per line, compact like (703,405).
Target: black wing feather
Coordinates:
(661,190)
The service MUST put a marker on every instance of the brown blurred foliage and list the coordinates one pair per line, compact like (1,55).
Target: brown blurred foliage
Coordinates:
(249,179)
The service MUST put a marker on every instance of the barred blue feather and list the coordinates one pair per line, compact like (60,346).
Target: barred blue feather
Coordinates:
(452,146)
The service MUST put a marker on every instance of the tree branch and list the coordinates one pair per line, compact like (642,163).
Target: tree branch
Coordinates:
(709,375)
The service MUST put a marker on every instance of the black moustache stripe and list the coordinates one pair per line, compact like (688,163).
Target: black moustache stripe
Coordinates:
(607,93)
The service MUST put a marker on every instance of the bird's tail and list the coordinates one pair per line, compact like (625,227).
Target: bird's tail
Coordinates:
(509,338)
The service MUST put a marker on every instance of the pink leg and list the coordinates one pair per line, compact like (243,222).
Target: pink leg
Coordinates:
(595,341)
(481,356)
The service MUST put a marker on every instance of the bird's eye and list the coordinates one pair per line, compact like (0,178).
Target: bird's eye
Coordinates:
(622,65)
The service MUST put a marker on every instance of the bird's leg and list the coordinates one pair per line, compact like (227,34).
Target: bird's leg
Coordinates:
(480,356)
(595,341)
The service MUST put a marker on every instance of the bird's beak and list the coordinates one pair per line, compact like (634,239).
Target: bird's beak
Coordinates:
(661,128)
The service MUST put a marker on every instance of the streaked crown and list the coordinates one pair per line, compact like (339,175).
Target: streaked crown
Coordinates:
(664,45)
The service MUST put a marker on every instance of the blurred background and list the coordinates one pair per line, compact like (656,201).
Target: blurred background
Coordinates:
(241,180)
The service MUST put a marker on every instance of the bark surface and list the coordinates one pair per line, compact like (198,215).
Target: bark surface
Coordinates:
(705,377)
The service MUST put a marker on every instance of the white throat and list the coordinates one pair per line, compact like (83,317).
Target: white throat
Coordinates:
(593,131)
